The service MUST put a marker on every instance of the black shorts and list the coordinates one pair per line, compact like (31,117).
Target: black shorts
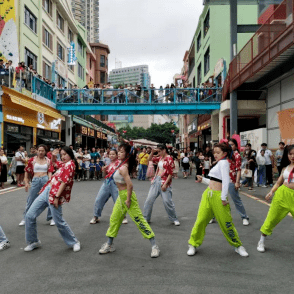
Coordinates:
(20,169)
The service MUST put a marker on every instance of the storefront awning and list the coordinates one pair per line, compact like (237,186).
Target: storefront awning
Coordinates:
(36,107)
(51,141)
(19,137)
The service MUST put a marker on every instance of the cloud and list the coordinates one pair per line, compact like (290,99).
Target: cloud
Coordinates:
(152,32)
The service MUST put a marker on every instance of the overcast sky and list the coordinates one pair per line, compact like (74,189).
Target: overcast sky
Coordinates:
(152,32)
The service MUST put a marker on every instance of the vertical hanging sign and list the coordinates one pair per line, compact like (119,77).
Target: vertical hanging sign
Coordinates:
(71,54)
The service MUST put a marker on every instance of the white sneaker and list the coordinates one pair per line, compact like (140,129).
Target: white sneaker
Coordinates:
(22,223)
(77,247)
(155,251)
(264,186)
(106,249)
(4,245)
(33,246)
(192,250)
(242,251)
(52,223)
(94,220)
(245,222)
(177,223)
(212,221)
(260,246)
(125,221)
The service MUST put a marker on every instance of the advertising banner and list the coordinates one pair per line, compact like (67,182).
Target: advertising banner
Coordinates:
(286,124)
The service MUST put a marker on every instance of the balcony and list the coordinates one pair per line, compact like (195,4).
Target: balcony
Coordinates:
(270,46)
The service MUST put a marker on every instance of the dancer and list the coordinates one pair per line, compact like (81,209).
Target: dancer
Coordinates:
(161,185)
(127,203)
(40,170)
(214,202)
(235,175)
(55,192)
(107,190)
(283,202)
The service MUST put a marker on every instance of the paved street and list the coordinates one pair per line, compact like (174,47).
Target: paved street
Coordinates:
(216,268)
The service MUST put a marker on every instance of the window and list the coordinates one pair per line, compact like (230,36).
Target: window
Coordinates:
(102,77)
(199,75)
(47,71)
(30,58)
(207,61)
(198,41)
(60,52)
(102,60)
(47,38)
(80,48)
(30,20)
(60,22)
(60,81)
(80,71)
(71,67)
(47,4)
(70,36)
(206,23)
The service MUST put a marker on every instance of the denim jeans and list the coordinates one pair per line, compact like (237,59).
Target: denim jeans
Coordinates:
(36,209)
(36,186)
(154,192)
(261,175)
(106,191)
(2,235)
(142,172)
(237,201)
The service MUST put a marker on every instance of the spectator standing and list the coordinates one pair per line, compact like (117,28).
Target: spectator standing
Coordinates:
(206,165)
(197,162)
(261,171)
(94,154)
(87,160)
(19,72)
(13,169)
(3,176)
(99,164)
(269,163)
(250,165)
(143,160)
(279,155)
(33,152)
(80,168)
(20,166)
(92,168)
(186,165)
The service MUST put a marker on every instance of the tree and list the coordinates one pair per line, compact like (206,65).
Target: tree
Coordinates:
(157,133)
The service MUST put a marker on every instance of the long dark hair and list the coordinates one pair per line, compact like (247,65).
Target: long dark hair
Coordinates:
(131,157)
(235,143)
(69,151)
(285,159)
(162,147)
(225,147)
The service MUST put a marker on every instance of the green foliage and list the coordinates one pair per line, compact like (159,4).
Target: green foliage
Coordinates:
(156,133)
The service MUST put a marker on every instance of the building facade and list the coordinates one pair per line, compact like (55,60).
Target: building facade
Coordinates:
(130,75)
(86,12)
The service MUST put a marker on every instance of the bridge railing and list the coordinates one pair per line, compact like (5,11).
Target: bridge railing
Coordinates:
(145,96)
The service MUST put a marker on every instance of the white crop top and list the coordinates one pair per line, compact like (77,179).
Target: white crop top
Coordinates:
(40,168)
(220,171)
(160,164)
(286,175)
(118,178)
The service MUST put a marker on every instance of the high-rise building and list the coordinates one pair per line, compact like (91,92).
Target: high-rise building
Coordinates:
(86,12)
(130,75)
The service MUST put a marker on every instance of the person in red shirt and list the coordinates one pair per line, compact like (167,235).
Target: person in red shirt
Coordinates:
(161,185)
(54,193)
(235,174)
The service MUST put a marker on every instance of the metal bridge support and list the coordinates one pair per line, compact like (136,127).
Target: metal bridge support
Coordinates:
(68,130)
(233,95)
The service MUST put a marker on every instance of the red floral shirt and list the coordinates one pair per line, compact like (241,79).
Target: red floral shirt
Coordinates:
(112,167)
(168,167)
(65,174)
(235,166)
(155,159)
(30,166)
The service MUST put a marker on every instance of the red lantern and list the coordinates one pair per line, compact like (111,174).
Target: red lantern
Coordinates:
(172,131)
(124,132)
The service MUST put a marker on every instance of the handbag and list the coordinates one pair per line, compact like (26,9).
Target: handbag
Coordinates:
(246,173)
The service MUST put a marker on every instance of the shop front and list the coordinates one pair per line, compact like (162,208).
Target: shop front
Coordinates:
(203,135)
(28,122)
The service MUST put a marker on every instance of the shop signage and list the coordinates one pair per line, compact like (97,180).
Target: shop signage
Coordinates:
(219,67)
(41,118)
(204,126)
(104,136)
(99,135)
(84,130)
(91,132)
(15,118)
(178,140)
(72,54)
(55,124)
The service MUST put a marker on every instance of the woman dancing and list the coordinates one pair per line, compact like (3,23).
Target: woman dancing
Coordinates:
(40,170)
(107,190)
(127,203)
(161,185)
(214,203)
(55,192)
(283,202)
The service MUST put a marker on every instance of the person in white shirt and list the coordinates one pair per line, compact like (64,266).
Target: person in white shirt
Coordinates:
(269,163)
(87,160)
(3,175)
(214,202)
(261,177)
(279,155)
(20,166)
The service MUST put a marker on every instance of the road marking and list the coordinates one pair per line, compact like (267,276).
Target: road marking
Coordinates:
(11,189)
(261,201)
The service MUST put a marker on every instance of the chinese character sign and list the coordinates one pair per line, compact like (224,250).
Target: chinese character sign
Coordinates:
(72,54)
